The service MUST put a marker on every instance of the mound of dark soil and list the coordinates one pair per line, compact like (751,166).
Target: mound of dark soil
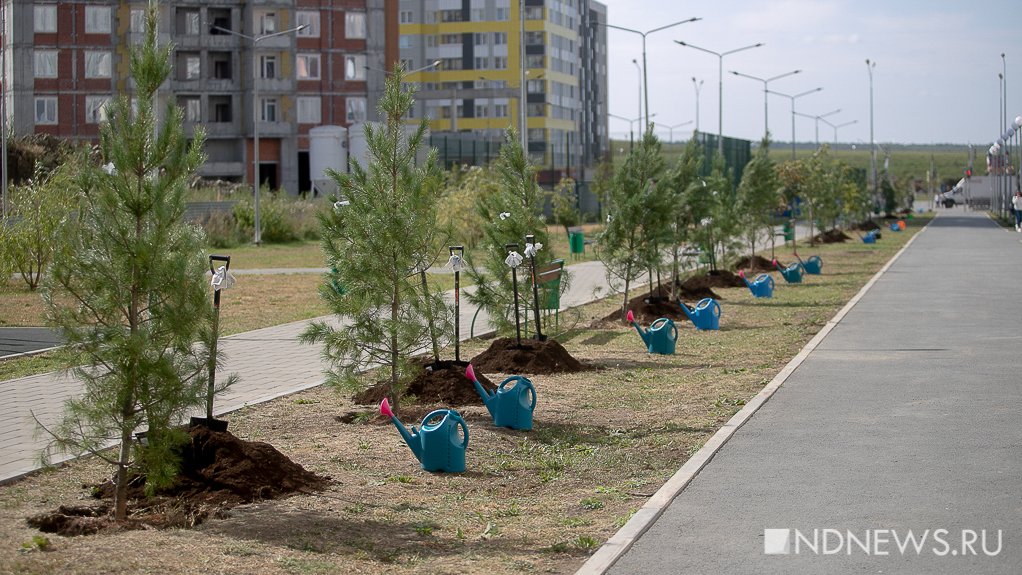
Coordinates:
(647,310)
(218,471)
(866,226)
(713,279)
(441,383)
(832,236)
(754,264)
(531,358)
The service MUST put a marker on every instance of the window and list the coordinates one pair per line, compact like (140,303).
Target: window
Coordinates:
(137,22)
(482,63)
(220,109)
(533,12)
(188,21)
(480,38)
(503,14)
(536,109)
(310,110)
(309,19)
(534,61)
(308,66)
(407,17)
(450,64)
(450,39)
(97,19)
(193,68)
(535,37)
(499,38)
(268,66)
(481,110)
(500,62)
(268,23)
(500,110)
(192,107)
(535,86)
(269,110)
(354,25)
(404,41)
(355,109)
(355,67)
(97,64)
(45,63)
(220,62)
(220,19)
(46,110)
(45,18)
(95,108)
(449,16)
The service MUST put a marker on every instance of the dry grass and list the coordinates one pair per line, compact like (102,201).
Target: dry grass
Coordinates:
(537,501)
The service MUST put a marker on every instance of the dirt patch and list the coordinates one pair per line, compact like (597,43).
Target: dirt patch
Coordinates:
(754,264)
(218,471)
(442,384)
(866,226)
(713,279)
(832,236)
(531,358)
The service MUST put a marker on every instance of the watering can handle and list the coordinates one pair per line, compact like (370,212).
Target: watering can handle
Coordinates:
(716,307)
(532,391)
(464,427)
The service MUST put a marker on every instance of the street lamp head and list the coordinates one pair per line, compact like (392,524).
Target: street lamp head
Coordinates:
(1018,121)
(683,44)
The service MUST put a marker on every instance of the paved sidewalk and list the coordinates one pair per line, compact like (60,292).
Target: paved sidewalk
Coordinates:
(269,361)
(905,417)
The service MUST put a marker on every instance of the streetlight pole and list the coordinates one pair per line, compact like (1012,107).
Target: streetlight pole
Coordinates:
(839,126)
(872,142)
(766,81)
(817,120)
(793,98)
(698,86)
(639,69)
(670,129)
(645,83)
(631,123)
(720,85)
(256,116)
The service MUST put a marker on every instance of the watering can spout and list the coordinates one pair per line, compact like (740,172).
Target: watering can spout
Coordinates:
(489,399)
(642,333)
(411,438)
(688,312)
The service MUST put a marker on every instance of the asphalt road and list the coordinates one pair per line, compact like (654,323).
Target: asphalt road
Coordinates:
(905,418)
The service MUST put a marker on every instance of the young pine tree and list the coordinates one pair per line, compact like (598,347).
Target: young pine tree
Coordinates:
(758,194)
(380,238)
(508,215)
(135,279)
(638,216)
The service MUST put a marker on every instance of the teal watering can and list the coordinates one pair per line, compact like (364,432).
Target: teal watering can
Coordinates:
(437,446)
(812,266)
(895,227)
(762,286)
(661,337)
(513,402)
(705,315)
(792,274)
(870,237)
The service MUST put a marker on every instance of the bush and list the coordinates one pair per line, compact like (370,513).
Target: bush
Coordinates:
(222,230)
(283,218)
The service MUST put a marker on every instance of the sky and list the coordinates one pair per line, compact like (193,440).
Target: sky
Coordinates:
(935,79)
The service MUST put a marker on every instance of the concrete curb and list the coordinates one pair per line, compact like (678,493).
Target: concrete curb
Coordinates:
(619,544)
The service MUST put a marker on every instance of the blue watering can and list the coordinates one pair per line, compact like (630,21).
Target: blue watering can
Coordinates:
(812,266)
(870,237)
(436,445)
(513,402)
(895,227)
(762,286)
(705,315)
(792,274)
(661,336)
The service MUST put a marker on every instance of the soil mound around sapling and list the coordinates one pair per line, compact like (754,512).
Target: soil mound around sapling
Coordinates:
(647,310)
(441,383)
(531,358)
(218,471)
(866,226)
(832,236)
(754,264)
(713,279)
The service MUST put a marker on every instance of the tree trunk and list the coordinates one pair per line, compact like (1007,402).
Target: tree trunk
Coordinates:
(429,317)
(628,277)
(394,355)
(121,486)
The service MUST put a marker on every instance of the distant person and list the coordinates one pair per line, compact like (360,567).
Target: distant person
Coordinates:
(936,201)
(1016,205)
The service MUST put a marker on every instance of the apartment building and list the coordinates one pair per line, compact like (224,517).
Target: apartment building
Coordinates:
(466,55)
(241,70)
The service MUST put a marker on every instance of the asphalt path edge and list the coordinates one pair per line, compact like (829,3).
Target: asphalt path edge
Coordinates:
(619,544)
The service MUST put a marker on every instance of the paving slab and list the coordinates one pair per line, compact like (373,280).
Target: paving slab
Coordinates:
(904,418)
